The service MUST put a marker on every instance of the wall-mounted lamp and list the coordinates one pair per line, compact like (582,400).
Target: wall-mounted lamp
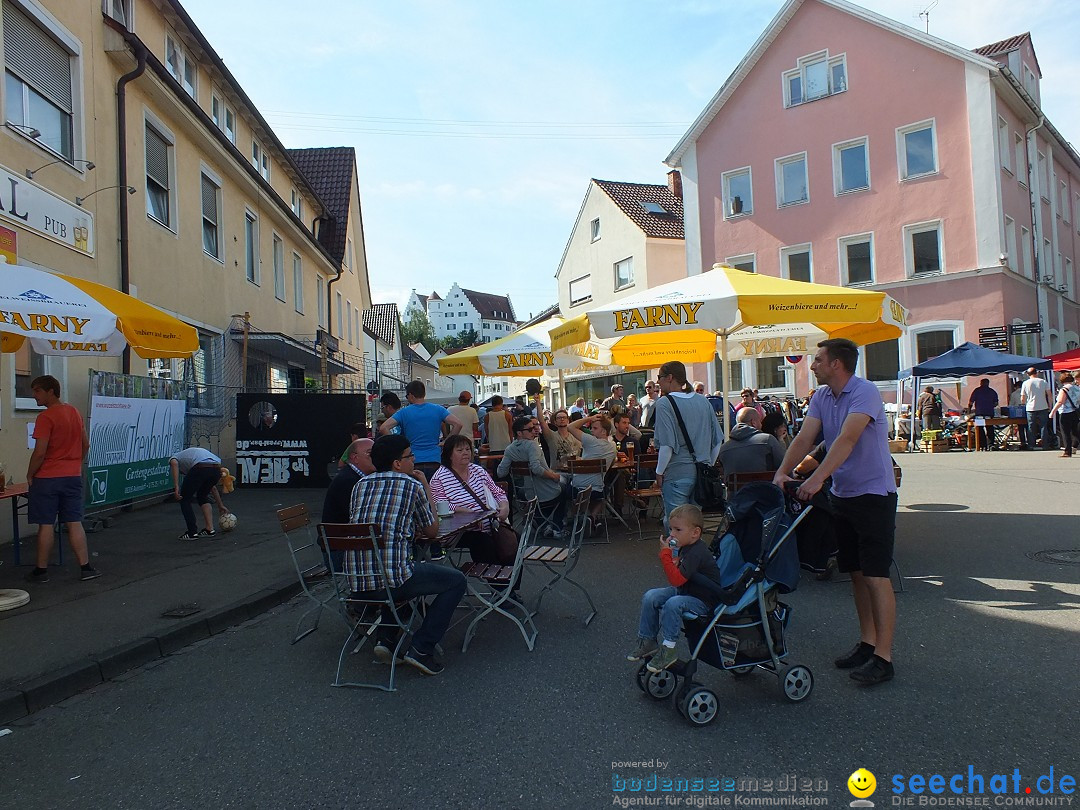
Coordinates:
(81,200)
(1063,288)
(1048,280)
(89,166)
(31,132)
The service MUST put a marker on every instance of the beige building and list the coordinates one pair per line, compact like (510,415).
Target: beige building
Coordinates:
(221,219)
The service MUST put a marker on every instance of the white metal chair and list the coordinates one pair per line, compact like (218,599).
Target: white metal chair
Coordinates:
(560,561)
(524,491)
(310,563)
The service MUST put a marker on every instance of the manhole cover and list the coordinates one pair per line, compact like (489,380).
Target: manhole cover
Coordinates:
(182,610)
(937,507)
(1062,557)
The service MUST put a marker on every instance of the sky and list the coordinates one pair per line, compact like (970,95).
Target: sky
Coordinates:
(478,124)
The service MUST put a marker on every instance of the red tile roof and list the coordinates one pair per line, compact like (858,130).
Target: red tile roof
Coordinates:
(491,307)
(1006,45)
(630,196)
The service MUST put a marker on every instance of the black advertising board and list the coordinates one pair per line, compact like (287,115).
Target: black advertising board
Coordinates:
(1026,328)
(994,337)
(288,440)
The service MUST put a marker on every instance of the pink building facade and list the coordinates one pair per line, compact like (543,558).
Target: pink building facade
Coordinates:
(850,149)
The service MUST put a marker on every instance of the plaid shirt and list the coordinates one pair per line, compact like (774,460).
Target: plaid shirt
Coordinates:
(398,505)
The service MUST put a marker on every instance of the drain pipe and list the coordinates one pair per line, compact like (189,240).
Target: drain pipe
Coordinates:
(1033,203)
(122,176)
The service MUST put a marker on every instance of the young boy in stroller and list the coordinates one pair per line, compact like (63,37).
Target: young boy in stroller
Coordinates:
(682,554)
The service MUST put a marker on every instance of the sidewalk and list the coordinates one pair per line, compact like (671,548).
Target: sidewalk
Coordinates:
(75,634)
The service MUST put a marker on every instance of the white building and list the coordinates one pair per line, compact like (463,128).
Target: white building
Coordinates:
(492,316)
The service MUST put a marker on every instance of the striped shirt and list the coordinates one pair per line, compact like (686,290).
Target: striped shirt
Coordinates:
(445,486)
(398,505)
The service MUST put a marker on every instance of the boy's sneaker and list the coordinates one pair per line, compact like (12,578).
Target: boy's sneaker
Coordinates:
(646,647)
(859,655)
(663,659)
(88,573)
(188,536)
(208,533)
(425,663)
(38,576)
(876,670)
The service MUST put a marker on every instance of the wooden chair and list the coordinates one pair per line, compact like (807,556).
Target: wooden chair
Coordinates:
(560,561)
(737,481)
(644,491)
(594,466)
(310,562)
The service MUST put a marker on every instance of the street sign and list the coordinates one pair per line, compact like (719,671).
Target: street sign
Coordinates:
(994,337)
(1026,328)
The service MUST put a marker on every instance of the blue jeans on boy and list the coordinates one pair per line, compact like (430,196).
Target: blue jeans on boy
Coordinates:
(662,609)
(676,493)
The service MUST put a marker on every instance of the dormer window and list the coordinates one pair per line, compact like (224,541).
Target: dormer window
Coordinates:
(654,208)
(815,76)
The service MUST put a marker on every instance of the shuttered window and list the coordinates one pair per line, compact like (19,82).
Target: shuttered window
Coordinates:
(210,217)
(157,176)
(37,82)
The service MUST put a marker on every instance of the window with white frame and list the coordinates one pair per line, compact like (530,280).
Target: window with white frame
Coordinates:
(770,372)
(796,263)
(916,149)
(260,160)
(1043,177)
(279,268)
(594,229)
(931,342)
(746,262)
(1063,196)
(1070,281)
(580,290)
(735,373)
(1076,211)
(251,247)
(338,302)
(182,66)
(857,259)
(119,10)
(38,85)
(211,216)
(624,273)
(1020,151)
(882,361)
(297,204)
(349,318)
(320,299)
(1004,145)
(159,164)
(1031,83)
(28,365)
(1025,251)
(348,259)
(922,249)
(224,117)
(815,76)
(792,186)
(851,166)
(1046,267)
(1010,243)
(298,283)
(738,193)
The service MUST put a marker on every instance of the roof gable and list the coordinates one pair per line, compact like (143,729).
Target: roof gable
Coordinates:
(381,321)
(329,170)
(1008,45)
(491,307)
(630,196)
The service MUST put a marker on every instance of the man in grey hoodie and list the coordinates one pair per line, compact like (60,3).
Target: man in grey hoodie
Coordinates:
(748,449)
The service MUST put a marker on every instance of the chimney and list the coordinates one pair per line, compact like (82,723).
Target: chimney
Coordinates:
(674,182)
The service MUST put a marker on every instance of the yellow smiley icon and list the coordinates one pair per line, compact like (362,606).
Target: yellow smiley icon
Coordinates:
(861,783)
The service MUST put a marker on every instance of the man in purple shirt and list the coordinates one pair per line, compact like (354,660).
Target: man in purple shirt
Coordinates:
(849,412)
(984,401)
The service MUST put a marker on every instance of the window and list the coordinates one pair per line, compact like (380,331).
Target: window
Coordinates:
(466,326)
(180,64)
(260,160)
(654,208)
(158,176)
(770,372)
(119,10)
(223,117)
(791,183)
(279,268)
(297,204)
(1004,146)
(735,382)
(747,262)
(580,290)
(1010,243)
(298,283)
(1046,269)
(349,316)
(931,343)
(922,248)
(1063,195)
(251,247)
(624,273)
(28,365)
(816,76)
(1070,282)
(348,259)
(738,193)
(211,217)
(857,259)
(1043,179)
(916,150)
(1031,84)
(1021,158)
(882,361)
(340,313)
(1025,251)
(320,299)
(594,229)
(1076,211)
(37,82)
(851,166)
(795,263)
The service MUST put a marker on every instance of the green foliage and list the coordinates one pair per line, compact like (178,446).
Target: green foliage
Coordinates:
(462,340)
(419,330)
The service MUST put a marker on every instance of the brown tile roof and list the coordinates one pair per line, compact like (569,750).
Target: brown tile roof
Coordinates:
(329,170)
(434,296)
(630,196)
(1006,45)
(381,321)
(422,299)
(491,307)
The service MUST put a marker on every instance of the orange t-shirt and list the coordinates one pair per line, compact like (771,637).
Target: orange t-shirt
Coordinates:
(63,427)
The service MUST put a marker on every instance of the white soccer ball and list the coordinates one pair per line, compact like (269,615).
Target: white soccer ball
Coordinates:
(227,522)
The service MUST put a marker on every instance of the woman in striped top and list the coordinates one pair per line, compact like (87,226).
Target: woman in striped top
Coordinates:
(469,488)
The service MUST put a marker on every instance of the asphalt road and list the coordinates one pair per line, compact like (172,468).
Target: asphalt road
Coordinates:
(986,677)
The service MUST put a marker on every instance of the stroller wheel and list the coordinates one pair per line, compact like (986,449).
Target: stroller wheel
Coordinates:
(657,685)
(741,672)
(796,682)
(699,705)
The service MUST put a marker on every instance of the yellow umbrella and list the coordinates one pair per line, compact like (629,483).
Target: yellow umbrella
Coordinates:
(525,353)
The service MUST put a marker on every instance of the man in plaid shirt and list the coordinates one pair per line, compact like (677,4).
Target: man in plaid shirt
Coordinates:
(396,498)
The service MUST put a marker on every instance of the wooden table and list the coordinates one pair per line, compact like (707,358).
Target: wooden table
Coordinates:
(458,522)
(990,421)
(16,493)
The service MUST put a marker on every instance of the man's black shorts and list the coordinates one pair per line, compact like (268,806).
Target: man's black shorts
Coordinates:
(865,528)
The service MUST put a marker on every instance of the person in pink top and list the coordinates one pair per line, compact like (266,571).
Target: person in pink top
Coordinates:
(54,477)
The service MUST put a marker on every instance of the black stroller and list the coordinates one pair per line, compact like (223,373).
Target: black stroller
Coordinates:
(756,564)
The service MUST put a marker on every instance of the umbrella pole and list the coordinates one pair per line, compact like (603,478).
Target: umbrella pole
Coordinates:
(725,376)
(562,391)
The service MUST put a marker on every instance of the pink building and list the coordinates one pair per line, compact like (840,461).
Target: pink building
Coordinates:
(847,148)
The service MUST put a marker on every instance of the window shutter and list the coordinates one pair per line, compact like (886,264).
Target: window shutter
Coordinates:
(157,158)
(36,58)
(209,200)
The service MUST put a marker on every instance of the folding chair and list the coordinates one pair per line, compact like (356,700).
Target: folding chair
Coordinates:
(592,466)
(561,560)
(490,586)
(310,564)
(524,491)
(645,493)
(377,608)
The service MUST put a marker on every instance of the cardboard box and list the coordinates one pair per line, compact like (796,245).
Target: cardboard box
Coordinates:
(940,446)
(898,446)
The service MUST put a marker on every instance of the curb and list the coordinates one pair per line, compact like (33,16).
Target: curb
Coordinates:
(23,699)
